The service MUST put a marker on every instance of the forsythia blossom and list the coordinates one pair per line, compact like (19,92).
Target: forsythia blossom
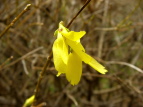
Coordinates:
(68,54)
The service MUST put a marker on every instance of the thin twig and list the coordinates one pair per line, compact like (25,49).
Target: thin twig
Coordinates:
(21,58)
(14,20)
(105,91)
(50,57)
(127,64)
(86,3)
(129,15)
(61,95)
(41,76)
(25,67)
(72,98)
(102,36)
(3,64)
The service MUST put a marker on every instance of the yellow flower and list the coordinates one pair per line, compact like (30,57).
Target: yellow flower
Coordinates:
(68,54)
(29,101)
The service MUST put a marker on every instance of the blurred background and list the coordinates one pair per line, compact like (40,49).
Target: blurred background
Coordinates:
(114,37)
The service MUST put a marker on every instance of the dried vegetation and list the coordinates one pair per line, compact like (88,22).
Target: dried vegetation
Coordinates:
(114,37)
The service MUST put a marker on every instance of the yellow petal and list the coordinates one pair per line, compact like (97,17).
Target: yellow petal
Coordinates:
(74,68)
(59,74)
(75,45)
(60,66)
(85,57)
(56,33)
(62,47)
(72,35)
(94,64)
(29,101)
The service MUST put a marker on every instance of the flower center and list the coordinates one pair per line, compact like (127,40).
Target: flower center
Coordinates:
(60,29)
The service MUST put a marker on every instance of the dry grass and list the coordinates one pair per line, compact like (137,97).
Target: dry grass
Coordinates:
(114,37)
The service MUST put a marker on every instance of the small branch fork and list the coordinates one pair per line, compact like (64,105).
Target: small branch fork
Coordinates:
(50,57)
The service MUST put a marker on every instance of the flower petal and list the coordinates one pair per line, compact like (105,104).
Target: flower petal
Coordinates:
(74,68)
(62,47)
(93,63)
(72,35)
(75,45)
(78,48)
(57,57)
(85,57)
(59,74)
